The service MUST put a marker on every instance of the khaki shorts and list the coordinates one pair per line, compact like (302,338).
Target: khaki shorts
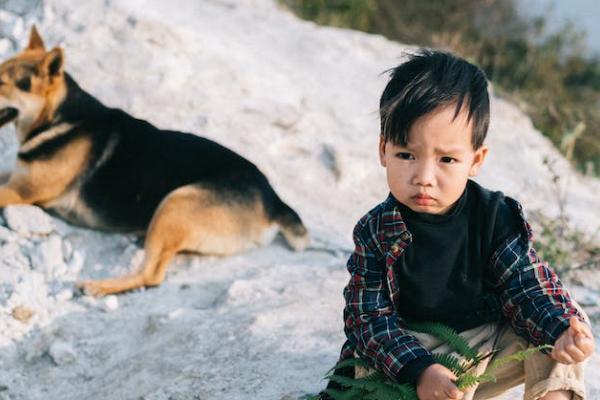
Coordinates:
(540,373)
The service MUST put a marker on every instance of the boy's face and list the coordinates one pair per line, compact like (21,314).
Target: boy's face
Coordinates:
(430,173)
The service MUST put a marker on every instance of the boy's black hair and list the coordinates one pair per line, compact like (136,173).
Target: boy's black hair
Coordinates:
(428,80)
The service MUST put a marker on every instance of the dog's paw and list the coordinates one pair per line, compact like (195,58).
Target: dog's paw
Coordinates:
(91,288)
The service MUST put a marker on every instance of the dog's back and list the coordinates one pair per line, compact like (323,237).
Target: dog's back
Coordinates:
(133,166)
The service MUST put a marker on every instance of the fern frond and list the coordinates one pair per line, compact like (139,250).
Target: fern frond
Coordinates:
(351,394)
(375,386)
(446,335)
(451,362)
(349,362)
(519,356)
(393,391)
(467,380)
(378,386)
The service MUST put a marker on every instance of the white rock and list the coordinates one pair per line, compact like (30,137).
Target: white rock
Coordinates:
(12,256)
(67,249)
(62,353)
(5,46)
(110,303)
(18,28)
(28,220)
(37,347)
(64,295)
(76,262)
(47,257)
(6,235)
(6,17)
(178,312)
(89,301)
(6,290)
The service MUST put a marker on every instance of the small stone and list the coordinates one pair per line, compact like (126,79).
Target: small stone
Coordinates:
(28,220)
(6,235)
(47,257)
(6,290)
(110,303)
(67,249)
(22,314)
(37,347)
(178,312)
(64,295)
(62,353)
(89,301)
(5,46)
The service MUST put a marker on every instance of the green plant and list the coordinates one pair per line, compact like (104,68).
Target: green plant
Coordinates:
(566,249)
(377,386)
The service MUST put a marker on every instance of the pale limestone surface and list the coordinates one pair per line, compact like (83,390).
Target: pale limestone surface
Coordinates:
(298,100)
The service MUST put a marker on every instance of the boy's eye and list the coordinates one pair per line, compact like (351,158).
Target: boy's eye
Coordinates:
(448,160)
(405,156)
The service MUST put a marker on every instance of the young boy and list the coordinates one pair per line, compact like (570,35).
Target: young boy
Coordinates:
(442,248)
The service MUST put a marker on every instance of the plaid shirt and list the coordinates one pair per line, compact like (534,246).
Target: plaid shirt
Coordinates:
(530,294)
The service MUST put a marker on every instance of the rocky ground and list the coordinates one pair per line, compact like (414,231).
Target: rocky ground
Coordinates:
(298,100)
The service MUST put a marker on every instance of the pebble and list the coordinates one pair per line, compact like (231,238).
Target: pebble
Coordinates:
(28,220)
(110,303)
(64,295)
(22,314)
(48,255)
(6,235)
(62,353)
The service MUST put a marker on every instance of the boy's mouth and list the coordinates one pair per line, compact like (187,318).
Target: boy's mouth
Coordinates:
(423,199)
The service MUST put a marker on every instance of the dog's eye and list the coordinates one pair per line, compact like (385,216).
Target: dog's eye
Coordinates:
(24,84)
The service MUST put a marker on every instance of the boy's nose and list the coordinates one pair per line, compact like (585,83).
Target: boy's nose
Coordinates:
(424,175)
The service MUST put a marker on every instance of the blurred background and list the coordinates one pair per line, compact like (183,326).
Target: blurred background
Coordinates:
(542,55)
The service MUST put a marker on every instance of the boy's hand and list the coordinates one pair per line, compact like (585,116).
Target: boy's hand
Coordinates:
(437,383)
(575,344)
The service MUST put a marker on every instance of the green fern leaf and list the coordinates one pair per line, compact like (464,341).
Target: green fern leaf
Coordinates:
(447,335)
(519,356)
(349,362)
(449,361)
(468,380)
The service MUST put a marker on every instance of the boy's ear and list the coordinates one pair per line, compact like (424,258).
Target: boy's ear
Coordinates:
(480,155)
(382,150)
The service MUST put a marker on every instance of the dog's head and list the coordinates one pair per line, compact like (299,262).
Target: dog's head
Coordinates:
(32,85)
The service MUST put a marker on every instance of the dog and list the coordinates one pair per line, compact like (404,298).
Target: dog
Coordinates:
(101,168)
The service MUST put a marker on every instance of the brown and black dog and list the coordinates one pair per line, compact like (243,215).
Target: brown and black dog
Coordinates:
(101,168)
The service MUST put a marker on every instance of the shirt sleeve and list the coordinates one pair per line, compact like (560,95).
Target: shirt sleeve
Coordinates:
(371,324)
(532,296)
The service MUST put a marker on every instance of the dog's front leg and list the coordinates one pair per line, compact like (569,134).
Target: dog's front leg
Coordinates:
(10,195)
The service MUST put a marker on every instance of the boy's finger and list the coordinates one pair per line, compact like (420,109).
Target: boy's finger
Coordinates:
(559,345)
(559,352)
(453,393)
(562,357)
(584,344)
(575,353)
(576,326)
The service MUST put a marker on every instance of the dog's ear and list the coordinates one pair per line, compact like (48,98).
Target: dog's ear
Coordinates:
(52,63)
(35,40)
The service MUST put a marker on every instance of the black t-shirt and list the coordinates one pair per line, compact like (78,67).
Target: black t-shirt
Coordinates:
(442,274)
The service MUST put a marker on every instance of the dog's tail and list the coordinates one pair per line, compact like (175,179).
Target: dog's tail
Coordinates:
(290,226)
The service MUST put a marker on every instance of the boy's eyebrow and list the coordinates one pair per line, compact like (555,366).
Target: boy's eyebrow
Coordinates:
(437,150)
(449,150)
